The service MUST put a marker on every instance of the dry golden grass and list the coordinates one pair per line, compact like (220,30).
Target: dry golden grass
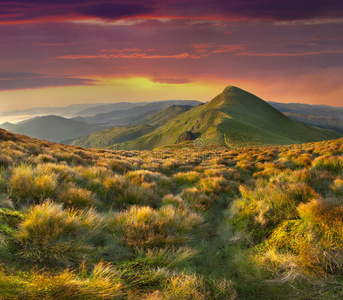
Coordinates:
(170,224)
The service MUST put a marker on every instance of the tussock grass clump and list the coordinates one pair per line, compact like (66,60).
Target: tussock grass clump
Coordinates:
(198,200)
(189,287)
(188,178)
(262,208)
(245,166)
(120,165)
(144,227)
(29,186)
(5,160)
(79,198)
(337,187)
(213,185)
(158,183)
(53,235)
(314,242)
(94,173)
(69,158)
(186,287)
(102,282)
(64,172)
(118,192)
(144,176)
(330,163)
(44,158)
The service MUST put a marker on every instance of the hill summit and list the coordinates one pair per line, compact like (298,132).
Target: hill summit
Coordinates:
(234,118)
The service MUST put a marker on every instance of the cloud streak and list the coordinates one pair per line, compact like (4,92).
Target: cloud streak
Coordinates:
(20,11)
(23,80)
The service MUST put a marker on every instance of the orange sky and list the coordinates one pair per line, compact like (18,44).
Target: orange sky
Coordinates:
(56,53)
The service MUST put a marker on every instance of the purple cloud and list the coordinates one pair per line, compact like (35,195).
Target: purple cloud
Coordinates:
(59,10)
(26,80)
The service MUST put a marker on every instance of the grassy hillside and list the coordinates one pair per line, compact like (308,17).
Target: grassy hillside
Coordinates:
(324,111)
(108,137)
(130,114)
(52,128)
(251,223)
(234,118)
(329,123)
(121,134)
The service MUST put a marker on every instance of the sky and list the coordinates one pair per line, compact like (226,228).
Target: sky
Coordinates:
(61,52)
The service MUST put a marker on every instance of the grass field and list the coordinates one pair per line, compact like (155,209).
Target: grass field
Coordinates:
(176,223)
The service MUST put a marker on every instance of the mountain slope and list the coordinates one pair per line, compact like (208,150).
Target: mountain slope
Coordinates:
(324,111)
(100,109)
(120,134)
(233,118)
(329,123)
(108,137)
(114,117)
(52,128)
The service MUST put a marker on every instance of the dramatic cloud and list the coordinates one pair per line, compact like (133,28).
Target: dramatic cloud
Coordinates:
(22,80)
(103,50)
(283,10)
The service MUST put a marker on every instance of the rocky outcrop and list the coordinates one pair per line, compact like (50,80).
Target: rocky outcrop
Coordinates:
(185,136)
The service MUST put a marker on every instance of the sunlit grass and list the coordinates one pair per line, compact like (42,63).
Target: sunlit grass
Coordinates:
(249,223)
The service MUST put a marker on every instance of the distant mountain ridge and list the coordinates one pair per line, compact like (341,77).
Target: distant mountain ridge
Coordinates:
(324,111)
(234,118)
(59,129)
(226,120)
(85,109)
(114,117)
(329,123)
(51,128)
(107,137)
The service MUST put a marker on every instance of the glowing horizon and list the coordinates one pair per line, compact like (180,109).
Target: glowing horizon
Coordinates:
(57,53)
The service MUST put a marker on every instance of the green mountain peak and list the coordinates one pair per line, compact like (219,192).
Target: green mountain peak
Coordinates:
(234,118)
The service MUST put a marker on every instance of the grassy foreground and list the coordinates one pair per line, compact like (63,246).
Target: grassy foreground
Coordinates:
(253,223)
